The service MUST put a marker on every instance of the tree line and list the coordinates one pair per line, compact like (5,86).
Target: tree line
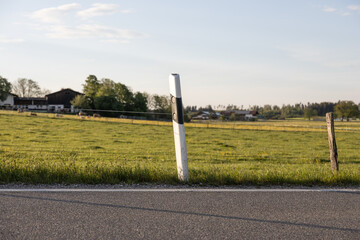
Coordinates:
(106,94)
(342,109)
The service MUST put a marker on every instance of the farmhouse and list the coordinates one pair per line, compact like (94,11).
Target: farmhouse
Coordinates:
(205,115)
(8,103)
(241,114)
(60,100)
(54,102)
(202,115)
(30,103)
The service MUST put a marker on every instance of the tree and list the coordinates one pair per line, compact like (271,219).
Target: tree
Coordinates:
(160,103)
(5,88)
(24,87)
(309,113)
(90,88)
(108,103)
(346,109)
(81,101)
(323,107)
(125,96)
(140,102)
(270,112)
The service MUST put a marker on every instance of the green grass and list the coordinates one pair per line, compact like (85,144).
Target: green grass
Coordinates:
(49,150)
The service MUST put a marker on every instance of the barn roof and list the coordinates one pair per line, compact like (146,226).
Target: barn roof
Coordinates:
(63,90)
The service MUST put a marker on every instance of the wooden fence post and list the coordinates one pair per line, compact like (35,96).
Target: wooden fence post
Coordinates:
(332,142)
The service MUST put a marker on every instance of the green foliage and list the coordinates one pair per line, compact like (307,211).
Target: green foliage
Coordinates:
(160,104)
(125,96)
(140,102)
(322,108)
(90,88)
(5,88)
(44,150)
(346,109)
(109,95)
(309,113)
(271,112)
(292,111)
(108,102)
(81,102)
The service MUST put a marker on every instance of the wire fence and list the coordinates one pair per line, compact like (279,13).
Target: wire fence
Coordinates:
(164,119)
(164,116)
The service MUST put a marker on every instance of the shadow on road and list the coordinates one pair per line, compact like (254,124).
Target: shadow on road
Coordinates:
(183,213)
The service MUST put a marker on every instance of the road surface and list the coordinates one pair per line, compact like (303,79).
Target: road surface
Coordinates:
(183,214)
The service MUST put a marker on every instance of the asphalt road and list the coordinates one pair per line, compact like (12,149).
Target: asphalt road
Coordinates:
(180,215)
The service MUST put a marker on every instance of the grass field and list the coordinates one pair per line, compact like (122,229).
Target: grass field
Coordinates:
(45,149)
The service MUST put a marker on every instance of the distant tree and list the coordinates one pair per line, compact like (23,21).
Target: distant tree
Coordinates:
(207,108)
(346,109)
(45,91)
(232,117)
(5,88)
(108,103)
(90,89)
(309,113)
(24,87)
(125,96)
(270,112)
(285,111)
(231,107)
(254,108)
(160,103)
(140,102)
(187,116)
(323,107)
(81,101)
(291,111)
(106,87)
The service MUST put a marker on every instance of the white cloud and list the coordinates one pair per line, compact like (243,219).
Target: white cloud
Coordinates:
(54,26)
(340,11)
(354,8)
(11,40)
(329,9)
(93,31)
(53,14)
(99,9)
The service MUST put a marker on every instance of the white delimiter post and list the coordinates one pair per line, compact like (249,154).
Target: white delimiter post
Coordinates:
(179,129)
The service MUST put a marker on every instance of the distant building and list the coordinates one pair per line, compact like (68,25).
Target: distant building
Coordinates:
(240,114)
(8,103)
(202,115)
(54,102)
(60,100)
(205,115)
(30,103)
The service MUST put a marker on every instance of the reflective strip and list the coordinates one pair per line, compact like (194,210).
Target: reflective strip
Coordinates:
(177,110)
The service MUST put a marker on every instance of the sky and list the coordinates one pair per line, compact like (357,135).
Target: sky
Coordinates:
(226,51)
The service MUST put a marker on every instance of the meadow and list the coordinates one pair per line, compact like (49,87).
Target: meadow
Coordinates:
(68,149)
